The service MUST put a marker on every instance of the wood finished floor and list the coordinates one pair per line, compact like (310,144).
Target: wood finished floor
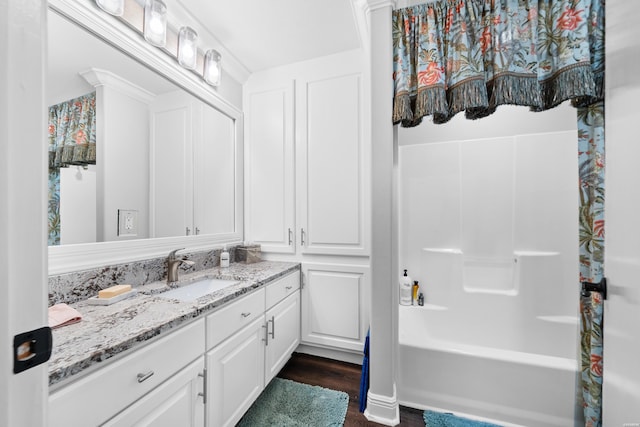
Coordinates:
(341,376)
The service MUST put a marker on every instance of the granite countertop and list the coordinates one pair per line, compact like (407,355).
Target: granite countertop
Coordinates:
(107,331)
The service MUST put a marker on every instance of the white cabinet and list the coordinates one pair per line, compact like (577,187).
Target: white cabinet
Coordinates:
(147,381)
(177,402)
(324,207)
(247,347)
(330,163)
(270,173)
(334,305)
(235,371)
(308,174)
(283,324)
(196,174)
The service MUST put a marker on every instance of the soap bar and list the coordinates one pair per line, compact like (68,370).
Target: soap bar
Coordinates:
(113,291)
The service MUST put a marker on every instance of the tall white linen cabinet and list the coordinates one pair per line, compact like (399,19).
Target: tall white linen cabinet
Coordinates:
(307,193)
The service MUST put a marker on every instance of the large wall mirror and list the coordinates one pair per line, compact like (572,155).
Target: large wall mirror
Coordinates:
(167,165)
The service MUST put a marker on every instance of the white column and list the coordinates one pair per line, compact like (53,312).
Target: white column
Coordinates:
(382,403)
(23,196)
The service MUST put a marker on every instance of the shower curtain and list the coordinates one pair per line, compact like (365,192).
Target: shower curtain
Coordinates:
(471,56)
(591,168)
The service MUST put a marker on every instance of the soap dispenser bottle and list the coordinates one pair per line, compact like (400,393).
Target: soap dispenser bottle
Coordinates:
(405,289)
(224,257)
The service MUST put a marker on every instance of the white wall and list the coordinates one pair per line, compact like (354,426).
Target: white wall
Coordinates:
(123,161)
(77,205)
(490,188)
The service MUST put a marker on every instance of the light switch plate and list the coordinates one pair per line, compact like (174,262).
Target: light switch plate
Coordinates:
(127,222)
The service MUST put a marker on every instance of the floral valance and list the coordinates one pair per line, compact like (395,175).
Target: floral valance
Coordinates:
(72,132)
(473,55)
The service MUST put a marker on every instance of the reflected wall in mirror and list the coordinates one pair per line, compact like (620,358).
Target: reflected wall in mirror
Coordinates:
(166,163)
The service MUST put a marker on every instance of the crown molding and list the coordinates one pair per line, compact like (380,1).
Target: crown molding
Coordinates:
(361,11)
(97,77)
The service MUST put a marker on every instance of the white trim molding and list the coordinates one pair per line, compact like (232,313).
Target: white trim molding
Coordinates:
(383,409)
(97,77)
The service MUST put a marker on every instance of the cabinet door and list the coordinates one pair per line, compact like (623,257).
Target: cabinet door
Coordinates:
(331,162)
(283,323)
(334,309)
(270,165)
(176,402)
(235,375)
(216,176)
(171,165)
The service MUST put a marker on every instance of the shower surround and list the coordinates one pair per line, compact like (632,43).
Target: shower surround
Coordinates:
(488,226)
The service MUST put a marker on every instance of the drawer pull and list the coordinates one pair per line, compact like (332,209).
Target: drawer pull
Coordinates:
(288,288)
(203,375)
(246,314)
(266,334)
(145,376)
(273,327)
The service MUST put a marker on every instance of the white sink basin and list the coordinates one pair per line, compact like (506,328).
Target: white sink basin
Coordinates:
(197,289)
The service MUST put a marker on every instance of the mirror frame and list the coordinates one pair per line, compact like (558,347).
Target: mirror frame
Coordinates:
(68,258)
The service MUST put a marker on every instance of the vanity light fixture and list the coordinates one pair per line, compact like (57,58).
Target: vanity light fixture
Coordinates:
(187,47)
(114,7)
(212,67)
(155,22)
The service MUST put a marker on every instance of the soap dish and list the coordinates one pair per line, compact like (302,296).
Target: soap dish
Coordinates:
(112,300)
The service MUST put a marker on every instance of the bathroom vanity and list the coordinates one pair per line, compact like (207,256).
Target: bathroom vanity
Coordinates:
(173,362)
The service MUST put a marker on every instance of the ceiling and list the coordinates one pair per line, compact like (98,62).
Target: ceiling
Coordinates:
(267,33)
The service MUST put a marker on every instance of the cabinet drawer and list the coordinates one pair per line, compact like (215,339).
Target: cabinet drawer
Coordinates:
(282,288)
(234,316)
(99,396)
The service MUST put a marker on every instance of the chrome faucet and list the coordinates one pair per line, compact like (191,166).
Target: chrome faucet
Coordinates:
(173,262)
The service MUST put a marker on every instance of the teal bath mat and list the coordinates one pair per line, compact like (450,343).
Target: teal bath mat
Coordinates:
(438,419)
(287,403)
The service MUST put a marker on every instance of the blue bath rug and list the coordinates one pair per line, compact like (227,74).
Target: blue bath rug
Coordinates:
(438,419)
(286,403)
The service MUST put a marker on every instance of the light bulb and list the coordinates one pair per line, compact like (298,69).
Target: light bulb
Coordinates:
(114,7)
(212,67)
(155,22)
(187,47)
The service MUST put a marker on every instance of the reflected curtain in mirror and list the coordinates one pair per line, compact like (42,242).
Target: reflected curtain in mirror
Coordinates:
(473,55)
(72,141)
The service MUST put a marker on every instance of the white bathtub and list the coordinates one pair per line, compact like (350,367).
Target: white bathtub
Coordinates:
(492,354)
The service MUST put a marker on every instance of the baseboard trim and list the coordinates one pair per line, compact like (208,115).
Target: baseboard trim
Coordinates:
(383,409)
(329,353)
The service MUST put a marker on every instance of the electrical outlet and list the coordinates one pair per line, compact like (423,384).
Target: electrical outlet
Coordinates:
(127,222)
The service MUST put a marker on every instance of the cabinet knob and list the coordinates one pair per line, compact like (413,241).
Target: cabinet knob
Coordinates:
(145,376)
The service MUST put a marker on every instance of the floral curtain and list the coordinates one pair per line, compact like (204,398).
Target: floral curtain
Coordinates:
(474,55)
(591,167)
(72,141)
